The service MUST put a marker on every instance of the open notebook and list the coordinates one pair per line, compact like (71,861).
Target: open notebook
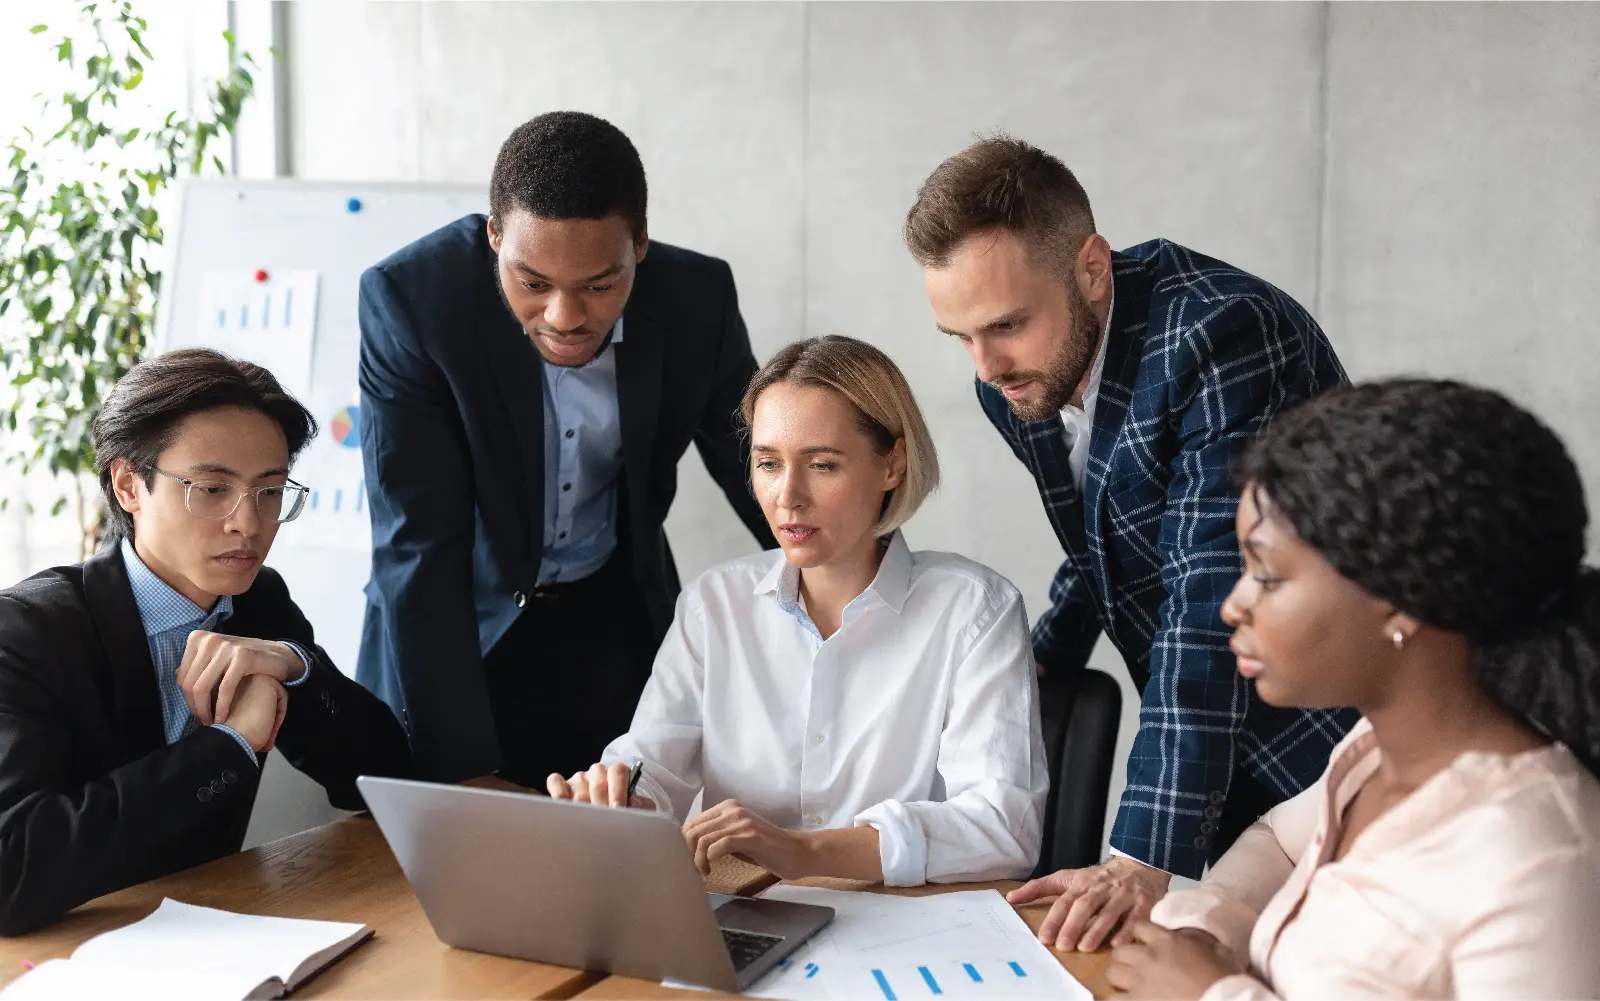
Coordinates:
(187,953)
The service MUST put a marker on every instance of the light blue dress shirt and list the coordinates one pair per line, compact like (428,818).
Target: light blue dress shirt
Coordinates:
(582,457)
(168,619)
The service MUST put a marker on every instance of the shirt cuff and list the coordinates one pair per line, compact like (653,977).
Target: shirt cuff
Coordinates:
(305,662)
(236,735)
(1119,853)
(902,844)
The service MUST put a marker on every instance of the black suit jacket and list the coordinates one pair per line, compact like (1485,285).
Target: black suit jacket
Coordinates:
(92,798)
(452,438)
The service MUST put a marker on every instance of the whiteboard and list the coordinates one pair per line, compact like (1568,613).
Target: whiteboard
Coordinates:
(304,235)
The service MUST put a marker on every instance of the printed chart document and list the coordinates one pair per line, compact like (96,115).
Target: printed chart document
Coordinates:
(969,944)
(187,953)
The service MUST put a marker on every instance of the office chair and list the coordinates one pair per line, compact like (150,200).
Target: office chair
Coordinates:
(1080,712)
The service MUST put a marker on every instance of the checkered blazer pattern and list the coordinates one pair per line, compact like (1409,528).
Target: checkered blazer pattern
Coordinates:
(1199,358)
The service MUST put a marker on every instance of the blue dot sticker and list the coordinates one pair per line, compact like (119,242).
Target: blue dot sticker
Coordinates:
(353,205)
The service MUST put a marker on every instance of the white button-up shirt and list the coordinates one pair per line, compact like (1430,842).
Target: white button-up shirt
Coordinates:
(919,716)
(1078,423)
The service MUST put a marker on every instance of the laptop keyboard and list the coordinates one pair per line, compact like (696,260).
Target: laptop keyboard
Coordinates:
(745,947)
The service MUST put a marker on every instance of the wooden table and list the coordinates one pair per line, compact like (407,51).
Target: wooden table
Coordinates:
(345,872)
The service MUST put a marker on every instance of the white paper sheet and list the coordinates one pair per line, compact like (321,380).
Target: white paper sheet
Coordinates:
(965,944)
(272,322)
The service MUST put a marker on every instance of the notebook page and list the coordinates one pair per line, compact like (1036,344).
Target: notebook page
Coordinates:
(182,936)
(61,978)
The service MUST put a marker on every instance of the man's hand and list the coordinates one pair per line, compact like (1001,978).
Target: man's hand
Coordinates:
(1092,902)
(732,829)
(214,666)
(602,785)
(258,711)
(1160,963)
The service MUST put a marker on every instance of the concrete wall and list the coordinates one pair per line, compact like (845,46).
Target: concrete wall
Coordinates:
(1422,176)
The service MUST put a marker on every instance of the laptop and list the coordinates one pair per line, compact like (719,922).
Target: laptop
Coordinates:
(591,887)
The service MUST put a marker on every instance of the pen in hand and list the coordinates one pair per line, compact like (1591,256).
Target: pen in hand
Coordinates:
(633,781)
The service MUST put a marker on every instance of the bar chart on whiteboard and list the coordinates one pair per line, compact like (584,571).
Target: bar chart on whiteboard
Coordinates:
(887,948)
(267,318)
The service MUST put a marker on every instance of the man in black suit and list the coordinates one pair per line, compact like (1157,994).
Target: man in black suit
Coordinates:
(529,381)
(141,689)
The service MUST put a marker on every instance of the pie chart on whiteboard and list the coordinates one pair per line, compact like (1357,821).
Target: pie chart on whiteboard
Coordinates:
(346,427)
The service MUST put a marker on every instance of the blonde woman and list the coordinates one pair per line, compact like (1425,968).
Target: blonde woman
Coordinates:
(847,707)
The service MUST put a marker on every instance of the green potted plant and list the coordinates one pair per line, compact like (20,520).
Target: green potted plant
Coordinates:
(79,232)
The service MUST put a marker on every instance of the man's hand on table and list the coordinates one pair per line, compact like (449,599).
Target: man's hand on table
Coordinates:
(1093,903)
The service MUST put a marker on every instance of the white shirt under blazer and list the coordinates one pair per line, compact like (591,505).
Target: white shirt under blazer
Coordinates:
(919,716)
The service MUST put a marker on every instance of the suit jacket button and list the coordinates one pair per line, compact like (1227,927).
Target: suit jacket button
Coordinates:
(228,775)
(1202,842)
(1217,798)
(1212,813)
(520,598)
(203,794)
(216,785)
(1208,827)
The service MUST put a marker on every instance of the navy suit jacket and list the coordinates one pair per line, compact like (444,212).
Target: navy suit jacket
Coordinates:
(452,441)
(1199,357)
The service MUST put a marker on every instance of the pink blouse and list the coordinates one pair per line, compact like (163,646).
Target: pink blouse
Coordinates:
(1483,883)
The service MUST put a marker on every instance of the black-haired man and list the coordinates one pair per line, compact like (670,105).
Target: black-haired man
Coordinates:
(529,382)
(140,688)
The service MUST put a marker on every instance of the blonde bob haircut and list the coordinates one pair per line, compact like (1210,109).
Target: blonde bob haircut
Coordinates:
(886,410)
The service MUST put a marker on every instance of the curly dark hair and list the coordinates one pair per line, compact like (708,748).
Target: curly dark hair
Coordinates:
(1462,509)
(139,419)
(569,165)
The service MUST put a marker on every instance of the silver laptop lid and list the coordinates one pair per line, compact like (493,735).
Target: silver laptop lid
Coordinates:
(565,883)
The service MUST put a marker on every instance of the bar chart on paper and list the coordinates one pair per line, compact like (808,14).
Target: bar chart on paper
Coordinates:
(954,945)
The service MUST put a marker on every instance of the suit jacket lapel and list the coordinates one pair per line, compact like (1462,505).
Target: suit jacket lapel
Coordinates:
(519,373)
(1124,346)
(1053,472)
(640,357)
(135,700)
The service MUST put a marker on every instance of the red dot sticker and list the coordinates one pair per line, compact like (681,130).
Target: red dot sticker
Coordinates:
(261,274)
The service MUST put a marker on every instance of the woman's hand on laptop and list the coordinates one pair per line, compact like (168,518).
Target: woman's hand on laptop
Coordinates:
(602,785)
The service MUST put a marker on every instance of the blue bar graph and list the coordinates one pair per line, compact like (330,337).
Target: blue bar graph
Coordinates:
(288,307)
(244,317)
(338,495)
(266,311)
(933,985)
(1018,970)
(972,971)
(883,985)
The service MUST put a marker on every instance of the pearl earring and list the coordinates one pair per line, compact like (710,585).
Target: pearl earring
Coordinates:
(1399,640)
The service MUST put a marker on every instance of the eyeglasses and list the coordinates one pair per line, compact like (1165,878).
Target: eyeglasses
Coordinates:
(214,500)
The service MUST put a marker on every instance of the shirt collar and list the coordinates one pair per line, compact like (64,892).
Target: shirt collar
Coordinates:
(890,586)
(160,607)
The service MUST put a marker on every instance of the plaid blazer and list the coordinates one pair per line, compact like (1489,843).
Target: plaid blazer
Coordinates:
(1199,357)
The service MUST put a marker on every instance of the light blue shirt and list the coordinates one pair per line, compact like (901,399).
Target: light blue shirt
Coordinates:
(582,457)
(168,619)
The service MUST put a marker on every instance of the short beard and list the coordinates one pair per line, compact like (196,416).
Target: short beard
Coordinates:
(1066,367)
